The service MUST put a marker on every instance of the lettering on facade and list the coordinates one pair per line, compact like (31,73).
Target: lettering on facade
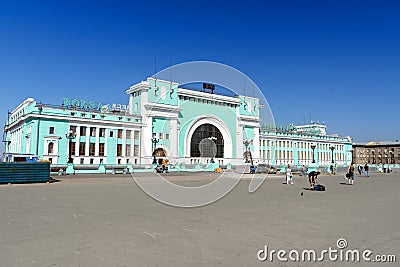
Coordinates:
(92,106)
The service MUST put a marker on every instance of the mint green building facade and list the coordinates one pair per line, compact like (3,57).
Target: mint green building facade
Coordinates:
(165,121)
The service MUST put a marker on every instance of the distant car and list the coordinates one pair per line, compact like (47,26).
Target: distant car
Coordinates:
(273,170)
(264,168)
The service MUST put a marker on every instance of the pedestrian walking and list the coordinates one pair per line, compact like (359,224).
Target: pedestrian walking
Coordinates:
(289,176)
(351,174)
(366,170)
(303,170)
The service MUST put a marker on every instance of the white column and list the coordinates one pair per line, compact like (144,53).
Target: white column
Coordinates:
(146,143)
(173,138)
(107,134)
(256,143)
(78,135)
(285,150)
(130,108)
(97,144)
(124,143)
(239,142)
(87,141)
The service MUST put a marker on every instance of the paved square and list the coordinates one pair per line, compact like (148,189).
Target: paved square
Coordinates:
(109,221)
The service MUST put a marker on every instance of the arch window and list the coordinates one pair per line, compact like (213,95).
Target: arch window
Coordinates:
(207,131)
(50,148)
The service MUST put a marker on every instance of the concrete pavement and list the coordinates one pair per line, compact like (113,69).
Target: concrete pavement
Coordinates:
(104,220)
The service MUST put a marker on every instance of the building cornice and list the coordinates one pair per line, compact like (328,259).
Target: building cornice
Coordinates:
(142,86)
(244,118)
(318,139)
(163,81)
(25,103)
(74,119)
(208,96)
(52,137)
(162,107)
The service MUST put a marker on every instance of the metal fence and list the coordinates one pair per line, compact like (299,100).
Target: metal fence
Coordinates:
(24,172)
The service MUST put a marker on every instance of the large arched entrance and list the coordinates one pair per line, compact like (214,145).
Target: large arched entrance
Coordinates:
(206,131)
(214,129)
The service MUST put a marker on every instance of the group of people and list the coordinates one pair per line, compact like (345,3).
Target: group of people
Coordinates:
(364,168)
(350,172)
(312,176)
(162,166)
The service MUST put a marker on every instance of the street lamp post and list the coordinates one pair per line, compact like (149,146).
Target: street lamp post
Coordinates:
(70,135)
(154,141)
(332,148)
(313,157)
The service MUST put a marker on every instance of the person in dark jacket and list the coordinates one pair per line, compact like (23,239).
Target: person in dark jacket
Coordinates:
(351,174)
(366,170)
(312,178)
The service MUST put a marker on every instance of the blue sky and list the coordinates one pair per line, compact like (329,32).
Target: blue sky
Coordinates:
(338,61)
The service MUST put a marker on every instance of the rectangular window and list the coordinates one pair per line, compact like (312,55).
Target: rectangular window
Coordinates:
(82,149)
(119,150)
(101,161)
(160,135)
(111,133)
(119,133)
(83,131)
(101,149)
(136,150)
(119,161)
(136,135)
(93,131)
(91,161)
(51,130)
(82,160)
(102,132)
(72,128)
(128,134)
(167,136)
(128,150)
(72,148)
(92,149)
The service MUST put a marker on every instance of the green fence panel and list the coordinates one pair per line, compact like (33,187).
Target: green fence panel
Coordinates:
(24,172)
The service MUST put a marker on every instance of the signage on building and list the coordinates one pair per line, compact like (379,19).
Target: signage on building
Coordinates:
(208,86)
(92,106)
